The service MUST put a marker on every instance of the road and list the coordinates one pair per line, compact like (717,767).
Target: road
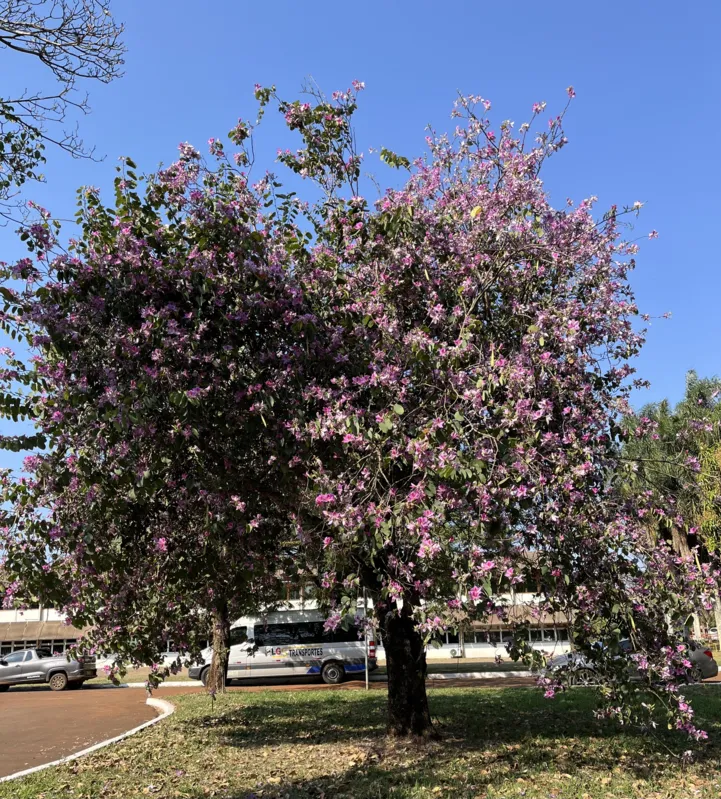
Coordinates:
(39,725)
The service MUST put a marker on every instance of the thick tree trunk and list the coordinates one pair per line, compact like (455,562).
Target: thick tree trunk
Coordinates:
(408,712)
(221,649)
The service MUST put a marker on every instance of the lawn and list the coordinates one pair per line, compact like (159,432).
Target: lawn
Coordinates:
(137,675)
(330,745)
(464,665)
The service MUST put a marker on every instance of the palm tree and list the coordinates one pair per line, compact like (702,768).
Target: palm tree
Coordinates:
(676,454)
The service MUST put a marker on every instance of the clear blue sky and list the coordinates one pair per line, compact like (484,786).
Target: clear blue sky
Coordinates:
(644,126)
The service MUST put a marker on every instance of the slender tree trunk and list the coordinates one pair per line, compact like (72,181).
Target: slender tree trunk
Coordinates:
(221,648)
(408,712)
(679,542)
(717,618)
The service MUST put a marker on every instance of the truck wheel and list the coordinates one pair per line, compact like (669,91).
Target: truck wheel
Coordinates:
(583,677)
(695,675)
(332,673)
(59,681)
(4,687)
(204,675)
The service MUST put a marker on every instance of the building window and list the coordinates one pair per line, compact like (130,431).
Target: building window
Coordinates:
(492,637)
(452,638)
(562,633)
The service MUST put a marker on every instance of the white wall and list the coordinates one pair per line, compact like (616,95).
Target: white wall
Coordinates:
(30,614)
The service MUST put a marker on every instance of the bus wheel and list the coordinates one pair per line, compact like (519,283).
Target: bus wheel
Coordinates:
(332,673)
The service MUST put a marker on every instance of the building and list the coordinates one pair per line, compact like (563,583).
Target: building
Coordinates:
(35,627)
(47,628)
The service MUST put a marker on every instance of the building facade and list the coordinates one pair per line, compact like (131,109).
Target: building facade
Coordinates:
(47,628)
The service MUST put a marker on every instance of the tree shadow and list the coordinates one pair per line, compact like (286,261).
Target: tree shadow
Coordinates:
(497,733)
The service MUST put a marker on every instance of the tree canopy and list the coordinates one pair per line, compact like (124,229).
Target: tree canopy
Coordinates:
(427,390)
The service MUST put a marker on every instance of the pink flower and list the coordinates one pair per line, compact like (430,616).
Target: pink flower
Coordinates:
(474,594)
(324,499)
(161,545)
(571,92)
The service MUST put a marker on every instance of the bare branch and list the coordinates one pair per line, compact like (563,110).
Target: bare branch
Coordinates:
(73,38)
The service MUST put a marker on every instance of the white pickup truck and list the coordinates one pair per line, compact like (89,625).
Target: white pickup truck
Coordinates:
(28,666)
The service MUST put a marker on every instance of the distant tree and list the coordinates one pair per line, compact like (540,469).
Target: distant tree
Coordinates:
(675,452)
(77,40)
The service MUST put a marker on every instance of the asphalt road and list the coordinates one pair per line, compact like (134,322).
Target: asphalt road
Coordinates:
(38,725)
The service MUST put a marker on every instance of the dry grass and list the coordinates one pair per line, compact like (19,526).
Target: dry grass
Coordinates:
(496,743)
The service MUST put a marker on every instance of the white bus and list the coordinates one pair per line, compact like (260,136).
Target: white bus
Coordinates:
(291,643)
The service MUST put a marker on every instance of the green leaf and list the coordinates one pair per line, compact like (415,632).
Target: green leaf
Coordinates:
(394,160)
(399,410)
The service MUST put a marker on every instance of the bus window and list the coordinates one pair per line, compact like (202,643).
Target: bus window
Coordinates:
(238,635)
(276,634)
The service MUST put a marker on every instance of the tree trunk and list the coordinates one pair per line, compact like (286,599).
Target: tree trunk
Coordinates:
(717,619)
(679,543)
(408,712)
(221,649)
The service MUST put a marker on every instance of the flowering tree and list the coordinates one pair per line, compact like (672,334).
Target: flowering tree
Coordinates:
(429,391)
(468,444)
(167,342)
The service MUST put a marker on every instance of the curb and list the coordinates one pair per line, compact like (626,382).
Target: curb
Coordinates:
(166,709)
(462,675)
(170,684)
(478,675)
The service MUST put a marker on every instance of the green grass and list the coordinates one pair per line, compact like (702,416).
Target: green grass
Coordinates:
(463,665)
(137,675)
(495,743)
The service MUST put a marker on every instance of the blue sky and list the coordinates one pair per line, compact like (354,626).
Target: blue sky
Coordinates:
(644,125)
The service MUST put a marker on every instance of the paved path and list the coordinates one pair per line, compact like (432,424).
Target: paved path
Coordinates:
(38,725)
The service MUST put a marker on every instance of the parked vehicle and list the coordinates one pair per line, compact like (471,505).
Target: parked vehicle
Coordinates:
(28,666)
(291,644)
(582,670)
(712,634)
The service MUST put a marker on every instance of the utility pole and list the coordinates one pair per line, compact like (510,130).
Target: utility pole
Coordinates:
(365,632)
